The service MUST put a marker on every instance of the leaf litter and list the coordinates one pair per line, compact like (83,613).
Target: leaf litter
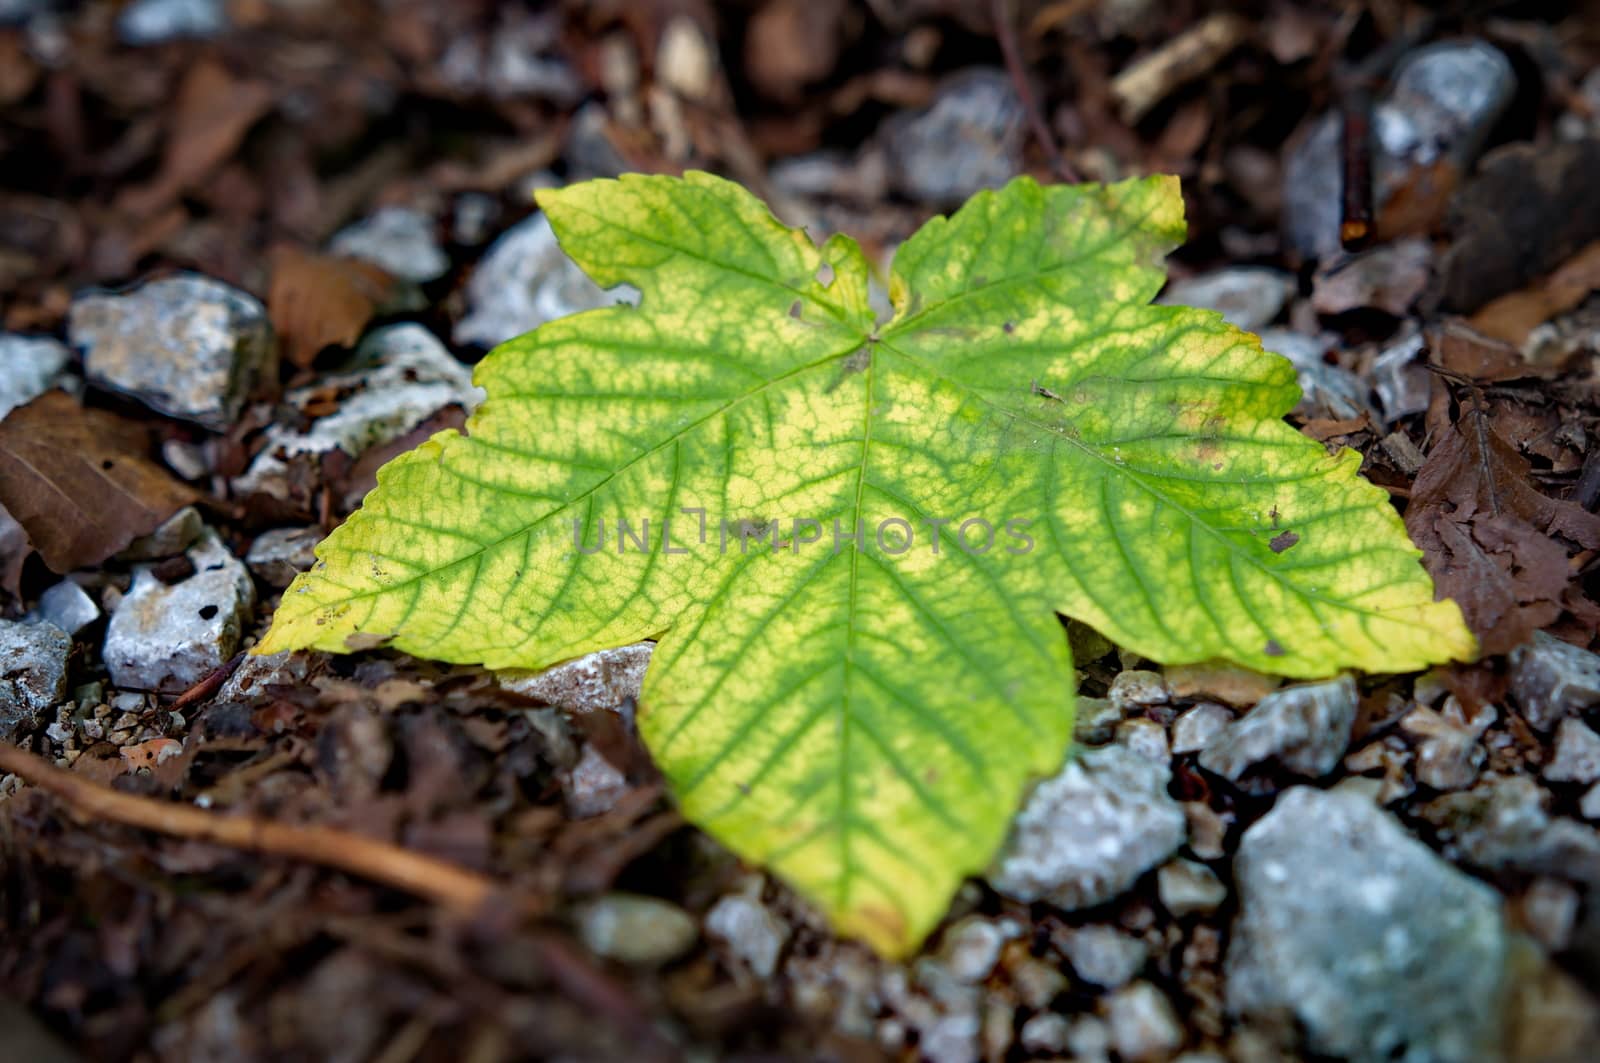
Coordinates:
(122,952)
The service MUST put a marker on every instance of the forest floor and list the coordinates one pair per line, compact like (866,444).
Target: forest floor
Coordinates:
(355,179)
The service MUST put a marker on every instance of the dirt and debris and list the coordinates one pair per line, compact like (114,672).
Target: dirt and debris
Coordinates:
(251,250)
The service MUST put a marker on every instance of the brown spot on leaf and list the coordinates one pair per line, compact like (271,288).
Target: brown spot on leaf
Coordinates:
(794,310)
(1273,648)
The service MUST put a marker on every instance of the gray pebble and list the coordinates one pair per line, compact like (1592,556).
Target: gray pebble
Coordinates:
(1377,946)
(1551,679)
(749,931)
(1198,727)
(186,346)
(398,240)
(1305,728)
(968,139)
(523,281)
(1577,756)
(1249,297)
(29,366)
(68,606)
(278,555)
(1142,1023)
(33,668)
(1085,835)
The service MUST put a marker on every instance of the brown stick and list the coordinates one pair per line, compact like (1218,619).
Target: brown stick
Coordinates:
(1006,34)
(444,884)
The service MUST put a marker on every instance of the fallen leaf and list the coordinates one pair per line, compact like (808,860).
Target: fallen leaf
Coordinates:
(79,481)
(1512,316)
(212,113)
(1491,540)
(319,301)
(863,718)
(1531,207)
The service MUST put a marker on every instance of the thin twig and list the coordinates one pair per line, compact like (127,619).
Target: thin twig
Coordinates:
(209,685)
(1356,223)
(445,884)
(1006,34)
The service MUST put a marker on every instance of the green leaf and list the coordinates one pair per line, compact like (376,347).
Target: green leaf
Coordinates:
(863,720)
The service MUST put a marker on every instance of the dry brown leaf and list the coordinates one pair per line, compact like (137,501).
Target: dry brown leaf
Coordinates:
(1491,540)
(1512,316)
(212,113)
(79,481)
(317,301)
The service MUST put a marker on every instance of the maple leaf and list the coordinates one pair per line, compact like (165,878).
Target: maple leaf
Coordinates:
(860,662)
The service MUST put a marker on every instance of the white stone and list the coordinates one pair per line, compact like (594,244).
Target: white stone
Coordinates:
(29,366)
(167,638)
(525,280)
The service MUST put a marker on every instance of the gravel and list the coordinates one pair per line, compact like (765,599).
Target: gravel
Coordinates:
(1380,949)
(1303,728)
(1087,834)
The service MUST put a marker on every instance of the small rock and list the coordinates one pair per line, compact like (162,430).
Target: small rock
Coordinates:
(525,280)
(1227,683)
(606,679)
(1399,377)
(403,376)
(970,138)
(1088,1040)
(1101,955)
(1504,825)
(398,240)
(517,59)
(1085,835)
(1035,981)
(1443,101)
(636,930)
(1551,679)
(68,606)
(258,672)
(1305,728)
(1378,947)
(1249,297)
(590,151)
(1146,738)
(186,346)
(1045,1034)
(167,638)
(863,178)
(29,367)
(749,931)
(33,669)
(970,948)
(593,786)
(1208,830)
(1142,1023)
(1135,690)
(1327,391)
(1186,887)
(279,555)
(174,535)
(1548,909)
(1094,722)
(1577,756)
(1199,727)
(146,22)
(1387,278)
(1589,804)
